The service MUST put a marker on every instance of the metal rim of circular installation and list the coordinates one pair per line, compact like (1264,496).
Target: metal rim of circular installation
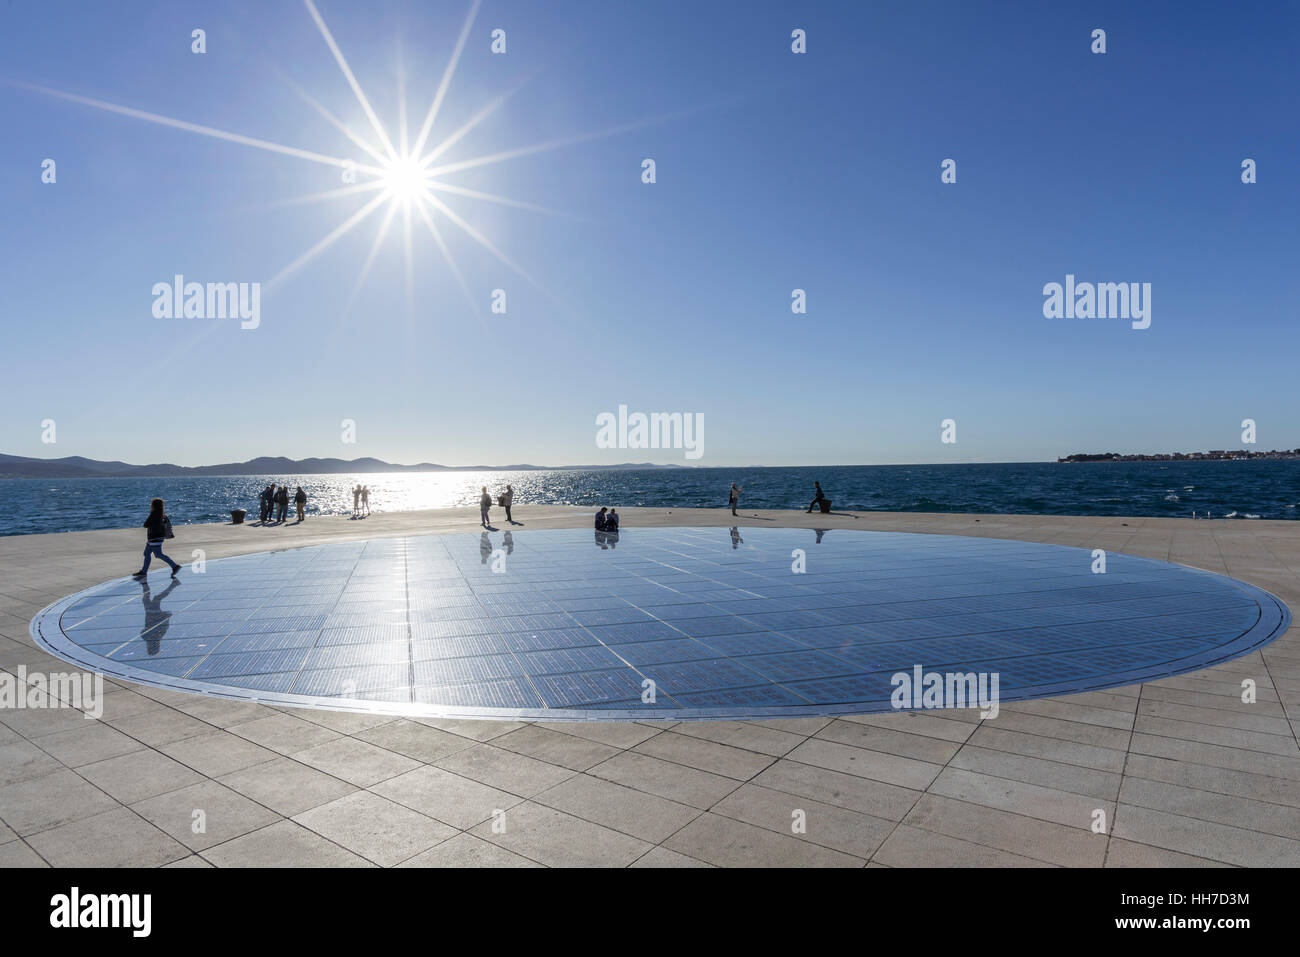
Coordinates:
(1274,619)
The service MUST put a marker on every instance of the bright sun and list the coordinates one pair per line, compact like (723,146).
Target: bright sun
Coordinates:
(405,178)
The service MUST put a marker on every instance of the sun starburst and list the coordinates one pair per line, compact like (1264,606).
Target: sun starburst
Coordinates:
(402,175)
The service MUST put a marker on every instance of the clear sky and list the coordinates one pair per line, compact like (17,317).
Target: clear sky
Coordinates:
(775,171)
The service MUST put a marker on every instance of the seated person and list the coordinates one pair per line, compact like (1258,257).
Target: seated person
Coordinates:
(611,522)
(601,521)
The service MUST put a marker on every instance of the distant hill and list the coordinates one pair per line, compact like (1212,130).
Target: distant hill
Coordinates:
(75,466)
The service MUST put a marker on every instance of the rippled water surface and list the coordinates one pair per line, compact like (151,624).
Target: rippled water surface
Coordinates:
(1268,489)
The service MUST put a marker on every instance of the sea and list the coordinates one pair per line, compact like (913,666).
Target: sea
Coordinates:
(1231,490)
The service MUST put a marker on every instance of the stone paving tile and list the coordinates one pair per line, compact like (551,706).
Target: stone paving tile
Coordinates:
(21,760)
(478,730)
(729,843)
(565,750)
(284,733)
(1018,767)
(662,857)
(18,854)
(641,815)
(556,839)
(466,850)
(746,735)
(138,775)
(286,786)
(676,782)
(216,753)
(37,804)
(1229,703)
(357,762)
(1012,833)
(94,741)
(192,861)
(1202,777)
(1207,734)
(876,765)
(33,723)
(1192,752)
(1067,710)
(414,740)
(123,703)
(836,788)
(284,844)
(450,798)
(225,814)
(1078,732)
(1207,806)
(505,770)
(1199,838)
(1037,746)
(1031,800)
(220,712)
(705,755)
(622,735)
(889,741)
(1129,854)
(943,727)
(377,829)
(1215,717)
(160,726)
(834,827)
(344,722)
(915,847)
(116,838)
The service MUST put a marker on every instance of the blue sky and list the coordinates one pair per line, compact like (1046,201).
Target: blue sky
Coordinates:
(775,171)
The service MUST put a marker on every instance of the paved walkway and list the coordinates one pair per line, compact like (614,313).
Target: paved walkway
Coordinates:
(1182,770)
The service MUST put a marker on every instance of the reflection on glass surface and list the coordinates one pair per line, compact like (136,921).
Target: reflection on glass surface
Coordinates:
(156,620)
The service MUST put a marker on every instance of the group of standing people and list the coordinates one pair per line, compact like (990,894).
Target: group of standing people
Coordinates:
(505,500)
(361,501)
(275,503)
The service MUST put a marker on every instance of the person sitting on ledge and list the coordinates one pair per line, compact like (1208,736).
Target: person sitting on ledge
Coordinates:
(821,496)
(601,521)
(611,523)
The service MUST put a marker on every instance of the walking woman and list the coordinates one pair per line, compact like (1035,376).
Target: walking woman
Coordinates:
(158,528)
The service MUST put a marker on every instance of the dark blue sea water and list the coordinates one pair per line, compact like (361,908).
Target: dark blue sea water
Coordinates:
(1264,489)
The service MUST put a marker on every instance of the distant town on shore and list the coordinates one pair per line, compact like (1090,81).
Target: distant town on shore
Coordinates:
(1223,455)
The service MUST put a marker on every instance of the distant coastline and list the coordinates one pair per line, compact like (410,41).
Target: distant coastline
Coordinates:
(1214,455)
(75,466)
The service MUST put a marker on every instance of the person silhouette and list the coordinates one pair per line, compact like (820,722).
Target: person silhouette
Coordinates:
(819,498)
(736,540)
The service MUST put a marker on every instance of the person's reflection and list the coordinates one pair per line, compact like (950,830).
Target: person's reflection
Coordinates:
(485,547)
(736,540)
(611,536)
(820,532)
(510,544)
(155,619)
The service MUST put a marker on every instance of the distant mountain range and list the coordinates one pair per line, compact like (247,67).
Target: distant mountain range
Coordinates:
(75,466)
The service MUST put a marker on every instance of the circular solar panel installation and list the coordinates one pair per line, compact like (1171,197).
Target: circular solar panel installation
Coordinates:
(659,623)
